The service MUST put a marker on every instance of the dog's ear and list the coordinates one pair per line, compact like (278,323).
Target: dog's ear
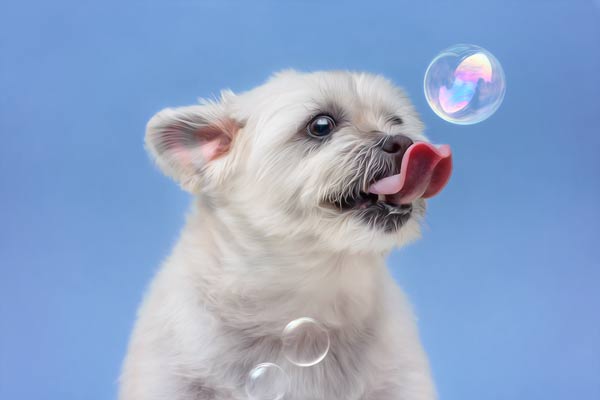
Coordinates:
(184,140)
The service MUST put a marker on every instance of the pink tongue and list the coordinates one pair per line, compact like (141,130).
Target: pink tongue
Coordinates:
(424,172)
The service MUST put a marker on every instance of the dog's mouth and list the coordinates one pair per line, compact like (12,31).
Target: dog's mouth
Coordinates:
(424,171)
(377,210)
(368,200)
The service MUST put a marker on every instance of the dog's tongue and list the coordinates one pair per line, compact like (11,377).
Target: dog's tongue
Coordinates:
(424,172)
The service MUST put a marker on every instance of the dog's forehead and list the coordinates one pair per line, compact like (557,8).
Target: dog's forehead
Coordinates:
(290,98)
(360,94)
(356,92)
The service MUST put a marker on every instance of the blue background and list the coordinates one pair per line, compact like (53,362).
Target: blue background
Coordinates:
(506,280)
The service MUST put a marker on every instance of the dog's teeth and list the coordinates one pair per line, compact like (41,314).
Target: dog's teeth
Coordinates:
(381,197)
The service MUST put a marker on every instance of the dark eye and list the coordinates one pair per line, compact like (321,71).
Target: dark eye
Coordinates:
(320,126)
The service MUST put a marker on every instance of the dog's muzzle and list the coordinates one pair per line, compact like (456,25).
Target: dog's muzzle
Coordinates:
(421,170)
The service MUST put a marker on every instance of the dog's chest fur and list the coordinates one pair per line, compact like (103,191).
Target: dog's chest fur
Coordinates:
(347,364)
(228,323)
(213,313)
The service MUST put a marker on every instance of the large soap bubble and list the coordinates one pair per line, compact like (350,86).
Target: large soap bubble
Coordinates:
(267,381)
(464,84)
(305,342)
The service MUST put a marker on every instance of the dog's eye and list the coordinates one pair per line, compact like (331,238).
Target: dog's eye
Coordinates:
(321,126)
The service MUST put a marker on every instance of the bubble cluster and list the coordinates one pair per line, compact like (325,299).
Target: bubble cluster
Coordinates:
(267,381)
(464,84)
(305,342)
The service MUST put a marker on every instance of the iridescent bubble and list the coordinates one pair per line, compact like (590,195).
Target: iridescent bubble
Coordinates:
(305,342)
(464,84)
(267,381)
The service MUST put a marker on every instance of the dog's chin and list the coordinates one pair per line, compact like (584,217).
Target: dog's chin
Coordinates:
(375,211)
(370,223)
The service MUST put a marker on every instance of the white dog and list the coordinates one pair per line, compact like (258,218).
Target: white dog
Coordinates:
(303,186)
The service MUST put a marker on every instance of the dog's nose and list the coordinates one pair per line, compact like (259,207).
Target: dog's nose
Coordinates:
(396,144)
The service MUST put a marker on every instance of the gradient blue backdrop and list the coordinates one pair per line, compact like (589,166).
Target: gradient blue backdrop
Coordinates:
(506,280)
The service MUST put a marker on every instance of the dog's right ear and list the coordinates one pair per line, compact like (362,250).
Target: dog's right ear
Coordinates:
(184,140)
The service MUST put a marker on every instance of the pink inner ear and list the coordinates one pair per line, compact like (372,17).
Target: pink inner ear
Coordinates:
(210,150)
(216,140)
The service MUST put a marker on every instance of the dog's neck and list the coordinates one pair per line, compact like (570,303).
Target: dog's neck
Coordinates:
(245,272)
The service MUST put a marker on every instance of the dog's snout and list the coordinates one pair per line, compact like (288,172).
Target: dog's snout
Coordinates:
(396,144)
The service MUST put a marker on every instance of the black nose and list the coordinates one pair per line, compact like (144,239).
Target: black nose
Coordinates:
(397,144)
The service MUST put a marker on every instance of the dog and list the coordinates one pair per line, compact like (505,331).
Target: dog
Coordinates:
(302,187)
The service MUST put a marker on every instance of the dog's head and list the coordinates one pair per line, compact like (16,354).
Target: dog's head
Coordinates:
(332,159)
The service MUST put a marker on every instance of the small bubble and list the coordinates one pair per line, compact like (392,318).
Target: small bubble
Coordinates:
(305,342)
(267,381)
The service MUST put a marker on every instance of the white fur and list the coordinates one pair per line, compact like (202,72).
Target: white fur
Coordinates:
(260,250)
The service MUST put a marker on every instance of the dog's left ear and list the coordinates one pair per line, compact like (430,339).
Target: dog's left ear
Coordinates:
(184,140)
